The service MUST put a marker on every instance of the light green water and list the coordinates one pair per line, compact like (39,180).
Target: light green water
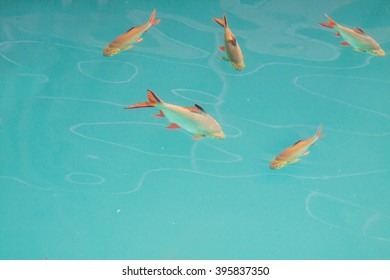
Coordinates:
(82,178)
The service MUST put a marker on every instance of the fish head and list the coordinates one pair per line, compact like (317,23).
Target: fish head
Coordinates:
(218,135)
(378,52)
(238,65)
(277,164)
(108,51)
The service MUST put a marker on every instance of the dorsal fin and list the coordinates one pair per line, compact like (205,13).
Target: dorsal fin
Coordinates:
(129,29)
(234,41)
(200,108)
(297,142)
(359,30)
(196,109)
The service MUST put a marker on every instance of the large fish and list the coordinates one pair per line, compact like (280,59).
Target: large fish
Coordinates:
(232,49)
(292,154)
(356,38)
(193,119)
(130,38)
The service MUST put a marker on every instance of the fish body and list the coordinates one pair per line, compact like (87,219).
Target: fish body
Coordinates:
(232,48)
(128,39)
(192,119)
(293,153)
(356,38)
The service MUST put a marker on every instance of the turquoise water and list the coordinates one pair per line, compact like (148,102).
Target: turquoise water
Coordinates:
(82,178)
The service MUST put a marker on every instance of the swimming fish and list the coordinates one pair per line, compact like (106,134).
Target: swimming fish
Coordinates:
(192,119)
(128,39)
(292,154)
(356,38)
(232,48)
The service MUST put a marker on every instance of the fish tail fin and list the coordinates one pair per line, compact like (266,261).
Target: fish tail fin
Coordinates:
(152,21)
(225,20)
(221,22)
(319,133)
(331,23)
(153,100)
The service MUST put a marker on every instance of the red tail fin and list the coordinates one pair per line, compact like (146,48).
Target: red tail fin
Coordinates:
(221,22)
(153,100)
(152,21)
(225,20)
(331,23)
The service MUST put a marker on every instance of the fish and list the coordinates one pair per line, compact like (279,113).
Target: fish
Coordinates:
(356,38)
(293,153)
(128,39)
(192,119)
(231,48)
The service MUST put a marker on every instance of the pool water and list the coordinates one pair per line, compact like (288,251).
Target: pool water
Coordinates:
(82,178)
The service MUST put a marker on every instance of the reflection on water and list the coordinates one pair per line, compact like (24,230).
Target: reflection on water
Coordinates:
(346,215)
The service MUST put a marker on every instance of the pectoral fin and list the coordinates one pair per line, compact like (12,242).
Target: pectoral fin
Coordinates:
(345,43)
(197,137)
(139,40)
(224,58)
(128,47)
(295,160)
(306,153)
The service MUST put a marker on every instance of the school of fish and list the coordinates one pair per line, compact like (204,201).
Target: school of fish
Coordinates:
(195,120)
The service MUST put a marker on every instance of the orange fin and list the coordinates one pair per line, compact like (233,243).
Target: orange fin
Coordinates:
(337,34)
(219,21)
(331,23)
(160,115)
(345,43)
(152,21)
(139,40)
(173,126)
(197,137)
(153,100)
(222,48)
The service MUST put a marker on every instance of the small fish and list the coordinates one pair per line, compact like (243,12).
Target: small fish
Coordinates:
(128,39)
(356,38)
(232,48)
(192,119)
(292,154)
